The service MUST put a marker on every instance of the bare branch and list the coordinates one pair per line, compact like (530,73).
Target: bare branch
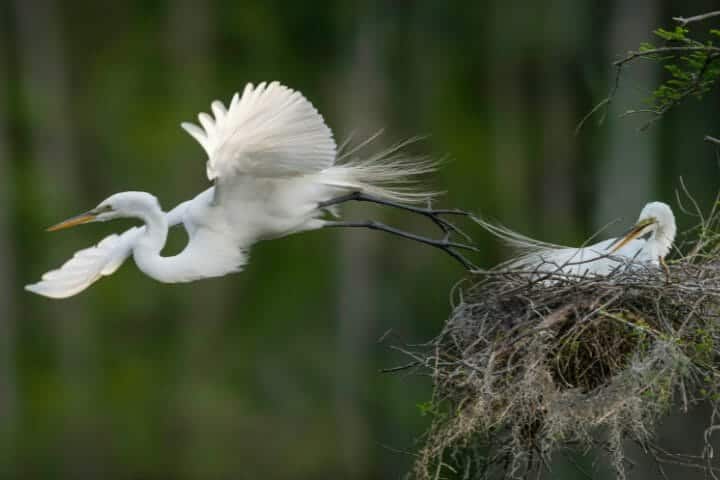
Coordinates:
(697,18)
(710,139)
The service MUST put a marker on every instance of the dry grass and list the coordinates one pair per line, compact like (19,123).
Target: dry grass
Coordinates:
(527,367)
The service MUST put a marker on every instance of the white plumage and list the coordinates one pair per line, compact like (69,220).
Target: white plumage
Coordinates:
(272,159)
(646,243)
(87,266)
(270,131)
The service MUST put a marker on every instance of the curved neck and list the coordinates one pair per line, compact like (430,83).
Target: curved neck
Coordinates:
(156,229)
(147,249)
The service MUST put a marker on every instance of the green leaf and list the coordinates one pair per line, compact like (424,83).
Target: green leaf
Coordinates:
(676,35)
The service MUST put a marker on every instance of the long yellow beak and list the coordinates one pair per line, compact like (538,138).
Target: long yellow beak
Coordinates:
(630,235)
(73,221)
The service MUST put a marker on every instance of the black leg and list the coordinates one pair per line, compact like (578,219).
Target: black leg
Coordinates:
(445,244)
(432,214)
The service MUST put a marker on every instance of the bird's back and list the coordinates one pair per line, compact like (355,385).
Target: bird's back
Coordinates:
(596,259)
(545,258)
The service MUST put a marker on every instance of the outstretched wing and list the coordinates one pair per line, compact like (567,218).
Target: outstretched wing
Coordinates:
(269,131)
(87,266)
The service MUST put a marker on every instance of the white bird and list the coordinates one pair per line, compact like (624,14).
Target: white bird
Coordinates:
(272,159)
(646,243)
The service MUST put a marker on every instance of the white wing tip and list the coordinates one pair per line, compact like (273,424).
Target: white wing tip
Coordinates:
(41,288)
(85,267)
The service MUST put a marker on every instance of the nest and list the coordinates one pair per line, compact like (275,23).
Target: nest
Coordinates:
(526,367)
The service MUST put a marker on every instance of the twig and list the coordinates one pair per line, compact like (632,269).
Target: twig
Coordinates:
(632,55)
(713,53)
(697,18)
(605,101)
(399,368)
(710,139)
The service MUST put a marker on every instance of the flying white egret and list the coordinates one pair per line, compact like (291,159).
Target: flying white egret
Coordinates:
(646,243)
(272,159)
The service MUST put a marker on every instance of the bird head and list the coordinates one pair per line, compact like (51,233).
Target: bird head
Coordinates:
(120,205)
(656,222)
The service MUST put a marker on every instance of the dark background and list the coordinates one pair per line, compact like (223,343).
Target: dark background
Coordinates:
(273,373)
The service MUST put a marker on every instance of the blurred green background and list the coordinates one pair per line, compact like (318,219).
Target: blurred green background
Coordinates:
(273,373)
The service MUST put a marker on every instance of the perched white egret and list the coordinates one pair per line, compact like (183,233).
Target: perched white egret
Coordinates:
(272,159)
(646,243)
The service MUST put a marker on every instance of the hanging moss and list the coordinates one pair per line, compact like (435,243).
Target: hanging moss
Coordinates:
(524,369)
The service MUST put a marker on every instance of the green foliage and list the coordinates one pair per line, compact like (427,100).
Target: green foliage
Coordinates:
(676,35)
(691,65)
(426,408)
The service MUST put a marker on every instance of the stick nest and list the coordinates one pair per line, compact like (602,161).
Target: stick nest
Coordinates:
(524,368)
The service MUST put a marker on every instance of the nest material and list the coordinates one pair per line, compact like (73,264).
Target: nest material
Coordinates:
(526,367)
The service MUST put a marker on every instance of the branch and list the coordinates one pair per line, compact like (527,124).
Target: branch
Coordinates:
(632,55)
(710,139)
(713,54)
(604,102)
(697,18)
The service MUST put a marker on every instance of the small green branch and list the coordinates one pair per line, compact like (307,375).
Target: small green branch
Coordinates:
(691,64)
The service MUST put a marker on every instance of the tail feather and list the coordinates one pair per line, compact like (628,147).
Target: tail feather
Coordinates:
(389,174)
(530,252)
(515,240)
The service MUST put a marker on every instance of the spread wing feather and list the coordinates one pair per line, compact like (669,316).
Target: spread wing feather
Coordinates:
(271,130)
(87,266)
